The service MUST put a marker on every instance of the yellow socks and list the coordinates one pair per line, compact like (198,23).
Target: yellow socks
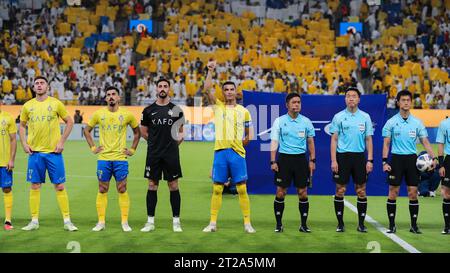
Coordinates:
(216,201)
(244,202)
(63,201)
(124,203)
(35,201)
(102,203)
(8,200)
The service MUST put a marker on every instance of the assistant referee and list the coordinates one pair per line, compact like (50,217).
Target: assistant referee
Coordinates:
(292,132)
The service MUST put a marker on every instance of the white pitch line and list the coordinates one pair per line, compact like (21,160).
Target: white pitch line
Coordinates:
(383,230)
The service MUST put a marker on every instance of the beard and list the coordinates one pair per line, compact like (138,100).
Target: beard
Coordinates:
(162,95)
(112,103)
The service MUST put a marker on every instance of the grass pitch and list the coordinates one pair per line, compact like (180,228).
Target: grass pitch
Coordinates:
(195,189)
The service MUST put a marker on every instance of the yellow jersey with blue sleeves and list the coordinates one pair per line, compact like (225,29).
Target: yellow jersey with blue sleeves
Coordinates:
(230,124)
(113,132)
(8,126)
(42,118)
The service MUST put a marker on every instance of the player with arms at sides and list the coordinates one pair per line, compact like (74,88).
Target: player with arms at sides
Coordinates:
(162,127)
(293,133)
(443,140)
(112,154)
(402,131)
(7,157)
(44,146)
(352,132)
(232,125)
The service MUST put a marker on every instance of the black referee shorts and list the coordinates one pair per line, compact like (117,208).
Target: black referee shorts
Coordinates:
(169,165)
(350,164)
(403,166)
(445,181)
(292,168)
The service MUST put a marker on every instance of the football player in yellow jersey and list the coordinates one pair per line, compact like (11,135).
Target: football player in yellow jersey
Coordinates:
(44,146)
(232,125)
(112,153)
(7,157)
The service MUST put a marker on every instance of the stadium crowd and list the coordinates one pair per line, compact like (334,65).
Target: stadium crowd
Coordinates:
(404,45)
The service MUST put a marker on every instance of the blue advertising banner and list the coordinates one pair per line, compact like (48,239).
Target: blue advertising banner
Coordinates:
(266,107)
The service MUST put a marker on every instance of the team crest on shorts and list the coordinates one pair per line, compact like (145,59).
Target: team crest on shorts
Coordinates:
(279,180)
(336,176)
(362,127)
(446,179)
(391,177)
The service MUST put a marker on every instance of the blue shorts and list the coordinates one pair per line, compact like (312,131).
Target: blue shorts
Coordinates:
(38,163)
(106,169)
(5,178)
(229,164)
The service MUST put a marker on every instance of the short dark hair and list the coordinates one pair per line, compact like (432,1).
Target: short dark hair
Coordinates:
(162,80)
(229,82)
(112,88)
(403,93)
(353,89)
(40,78)
(291,96)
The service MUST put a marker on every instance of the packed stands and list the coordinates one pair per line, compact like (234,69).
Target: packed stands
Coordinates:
(270,46)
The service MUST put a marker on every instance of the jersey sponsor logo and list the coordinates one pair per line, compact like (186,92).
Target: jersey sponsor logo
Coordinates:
(301,134)
(412,133)
(162,121)
(111,127)
(41,118)
(362,127)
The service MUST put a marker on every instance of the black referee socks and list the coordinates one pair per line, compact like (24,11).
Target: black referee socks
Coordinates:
(278,208)
(446,212)
(152,199)
(414,211)
(391,206)
(361,204)
(175,202)
(303,207)
(339,209)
